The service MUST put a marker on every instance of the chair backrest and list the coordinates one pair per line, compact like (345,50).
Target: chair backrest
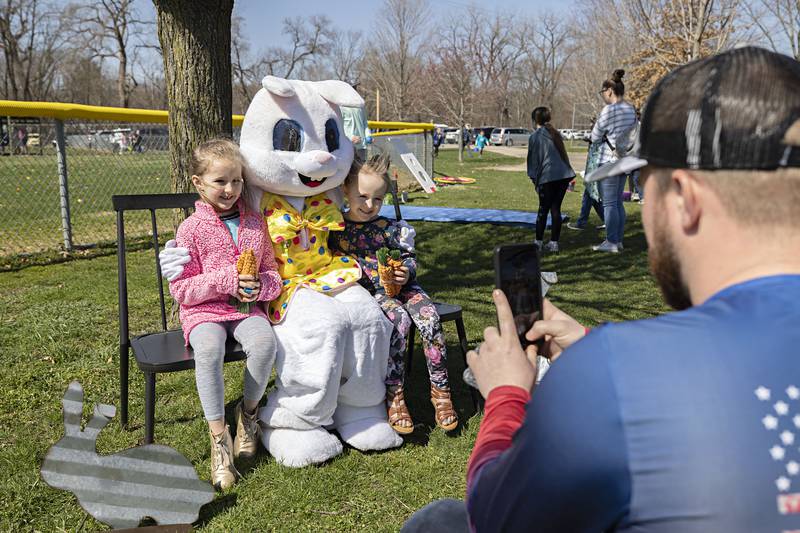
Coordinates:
(395,197)
(151,203)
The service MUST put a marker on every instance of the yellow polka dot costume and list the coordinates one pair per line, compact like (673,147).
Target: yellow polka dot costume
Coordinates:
(300,242)
(333,338)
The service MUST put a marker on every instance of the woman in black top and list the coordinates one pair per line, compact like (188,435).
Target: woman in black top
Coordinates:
(550,171)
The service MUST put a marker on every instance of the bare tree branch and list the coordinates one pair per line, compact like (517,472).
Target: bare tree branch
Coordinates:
(106,27)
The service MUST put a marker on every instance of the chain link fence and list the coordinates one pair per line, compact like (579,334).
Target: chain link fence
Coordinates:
(420,144)
(45,210)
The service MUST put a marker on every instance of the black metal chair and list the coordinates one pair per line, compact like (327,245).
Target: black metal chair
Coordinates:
(446,312)
(157,351)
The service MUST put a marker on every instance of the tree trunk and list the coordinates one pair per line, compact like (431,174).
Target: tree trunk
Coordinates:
(195,38)
(122,78)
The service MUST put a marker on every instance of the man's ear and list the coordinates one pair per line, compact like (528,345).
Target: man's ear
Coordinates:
(689,199)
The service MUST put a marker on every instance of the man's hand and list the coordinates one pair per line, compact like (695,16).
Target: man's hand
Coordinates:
(249,286)
(558,329)
(401,275)
(500,359)
(355,139)
(172,258)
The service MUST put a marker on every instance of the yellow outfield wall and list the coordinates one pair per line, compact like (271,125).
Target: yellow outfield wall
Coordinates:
(15,108)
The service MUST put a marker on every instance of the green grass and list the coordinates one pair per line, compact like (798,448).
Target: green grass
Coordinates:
(59,323)
(30,208)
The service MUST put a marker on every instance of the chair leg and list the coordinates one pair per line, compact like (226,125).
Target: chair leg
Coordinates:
(412,332)
(462,342)
(462,339)
(149,406)
(123,387)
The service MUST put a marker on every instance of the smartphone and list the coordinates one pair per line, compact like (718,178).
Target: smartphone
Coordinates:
(517,274)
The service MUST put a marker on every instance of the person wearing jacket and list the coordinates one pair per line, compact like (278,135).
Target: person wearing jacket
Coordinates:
(616,117)
(354,120)
(550,171)
(217,300)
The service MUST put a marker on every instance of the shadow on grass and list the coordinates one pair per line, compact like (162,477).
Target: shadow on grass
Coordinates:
(218,505)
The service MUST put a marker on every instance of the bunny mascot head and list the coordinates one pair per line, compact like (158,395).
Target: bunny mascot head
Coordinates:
(292,136)
(333,338)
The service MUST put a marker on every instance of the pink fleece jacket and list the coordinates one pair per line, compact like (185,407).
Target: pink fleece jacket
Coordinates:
(210,278)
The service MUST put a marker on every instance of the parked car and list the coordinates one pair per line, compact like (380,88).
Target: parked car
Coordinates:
(510,136)
(567,133)
(111,140)
(451,135)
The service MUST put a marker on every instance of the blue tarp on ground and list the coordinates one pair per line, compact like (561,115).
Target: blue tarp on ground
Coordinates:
(460,214)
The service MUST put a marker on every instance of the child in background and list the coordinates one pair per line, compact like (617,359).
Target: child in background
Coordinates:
(364,234)
(216,300)
(480,142)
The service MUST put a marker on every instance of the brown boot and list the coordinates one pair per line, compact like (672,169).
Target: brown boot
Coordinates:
(444,413)
(245,445)
(223,473)
(399,417)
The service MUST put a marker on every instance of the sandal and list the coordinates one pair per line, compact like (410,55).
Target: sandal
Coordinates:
(398,411)
(443,407)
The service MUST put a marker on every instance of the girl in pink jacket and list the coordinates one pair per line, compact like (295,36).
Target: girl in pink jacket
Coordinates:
(216,301)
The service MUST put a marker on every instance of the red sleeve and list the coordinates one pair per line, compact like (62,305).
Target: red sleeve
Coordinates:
(503,416)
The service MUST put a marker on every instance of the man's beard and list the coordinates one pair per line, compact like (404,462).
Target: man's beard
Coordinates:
(666,267)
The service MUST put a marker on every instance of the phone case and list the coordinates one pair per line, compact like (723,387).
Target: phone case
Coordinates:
(501,254)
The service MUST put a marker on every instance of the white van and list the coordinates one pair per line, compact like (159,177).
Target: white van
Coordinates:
(510,136)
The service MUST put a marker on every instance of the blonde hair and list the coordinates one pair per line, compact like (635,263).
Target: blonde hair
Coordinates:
(754,197)
(377,165)
(213,150)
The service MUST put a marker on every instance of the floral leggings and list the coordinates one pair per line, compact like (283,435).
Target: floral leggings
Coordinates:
(413,304)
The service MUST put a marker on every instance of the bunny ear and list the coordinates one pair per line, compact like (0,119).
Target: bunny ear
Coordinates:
(338,92)
(103,414)
(73,408)
(278,86)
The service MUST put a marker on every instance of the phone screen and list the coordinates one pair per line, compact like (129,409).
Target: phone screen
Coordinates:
(517,275)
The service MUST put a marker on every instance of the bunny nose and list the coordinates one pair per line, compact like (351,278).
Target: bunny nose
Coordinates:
(322,157)
(315,164)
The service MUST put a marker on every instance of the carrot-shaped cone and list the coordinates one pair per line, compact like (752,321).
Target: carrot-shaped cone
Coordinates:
(246,265)
(388,262)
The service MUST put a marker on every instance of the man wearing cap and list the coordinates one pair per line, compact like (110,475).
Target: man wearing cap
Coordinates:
(689,421)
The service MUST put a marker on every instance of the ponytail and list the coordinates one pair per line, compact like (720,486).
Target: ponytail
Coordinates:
(541,117)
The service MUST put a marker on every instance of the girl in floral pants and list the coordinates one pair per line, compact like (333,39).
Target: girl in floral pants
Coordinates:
(364,234)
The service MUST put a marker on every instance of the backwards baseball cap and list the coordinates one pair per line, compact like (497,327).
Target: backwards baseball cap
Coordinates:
(736,110)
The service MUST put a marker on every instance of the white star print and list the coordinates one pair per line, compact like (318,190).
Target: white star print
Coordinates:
(777,453)
(783,483)
(787,438)
(793,392)
(770,422)
(792,468)
(782,408)
(762,393)
(796,421)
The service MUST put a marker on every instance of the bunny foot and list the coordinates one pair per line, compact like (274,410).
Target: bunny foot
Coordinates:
(365,428)
(298,448)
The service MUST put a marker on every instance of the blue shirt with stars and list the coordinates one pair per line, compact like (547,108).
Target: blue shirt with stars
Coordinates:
(685,422)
